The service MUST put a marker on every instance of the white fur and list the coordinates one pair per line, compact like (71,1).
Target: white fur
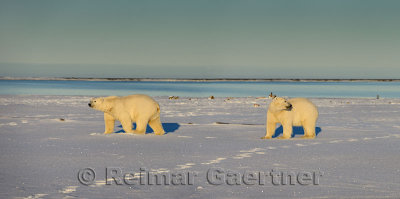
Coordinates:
(141,109)
(302,112)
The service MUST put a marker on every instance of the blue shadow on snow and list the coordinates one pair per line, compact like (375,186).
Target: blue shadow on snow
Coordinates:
(297,130)
(168,128)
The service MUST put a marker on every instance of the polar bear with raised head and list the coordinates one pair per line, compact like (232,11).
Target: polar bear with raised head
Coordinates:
(289,113)
(141,109)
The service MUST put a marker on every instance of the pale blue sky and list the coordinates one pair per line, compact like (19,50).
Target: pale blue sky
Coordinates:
(200,39)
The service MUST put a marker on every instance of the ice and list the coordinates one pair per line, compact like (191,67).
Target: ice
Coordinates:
(46,140)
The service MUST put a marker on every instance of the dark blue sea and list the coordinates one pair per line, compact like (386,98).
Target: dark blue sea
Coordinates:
(202,89)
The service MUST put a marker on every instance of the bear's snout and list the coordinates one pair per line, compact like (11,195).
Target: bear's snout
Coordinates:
(90,105)
(289,106)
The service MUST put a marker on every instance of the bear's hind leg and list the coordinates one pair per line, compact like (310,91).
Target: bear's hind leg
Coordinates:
(127,126)
(309,130)
(156,125)
(141,126)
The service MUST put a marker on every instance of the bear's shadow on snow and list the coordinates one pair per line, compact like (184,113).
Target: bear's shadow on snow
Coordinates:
(168,128)
(297,130)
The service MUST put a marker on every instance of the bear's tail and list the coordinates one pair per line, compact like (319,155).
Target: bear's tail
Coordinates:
(158,108)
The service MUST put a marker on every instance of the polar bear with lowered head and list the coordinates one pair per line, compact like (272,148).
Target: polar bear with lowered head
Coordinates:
(289,113)
(141,109)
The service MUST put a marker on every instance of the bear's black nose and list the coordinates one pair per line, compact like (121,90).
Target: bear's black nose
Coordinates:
(90,105)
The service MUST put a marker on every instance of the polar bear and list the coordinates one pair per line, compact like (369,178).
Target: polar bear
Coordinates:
(141,109)
(289,113)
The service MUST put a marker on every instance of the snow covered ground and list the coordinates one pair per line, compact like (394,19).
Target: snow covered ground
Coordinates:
(47,141)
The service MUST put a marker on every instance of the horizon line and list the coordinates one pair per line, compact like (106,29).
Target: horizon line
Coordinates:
(201,79)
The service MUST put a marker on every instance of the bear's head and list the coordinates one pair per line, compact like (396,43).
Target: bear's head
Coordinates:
(101,103)
(280,104)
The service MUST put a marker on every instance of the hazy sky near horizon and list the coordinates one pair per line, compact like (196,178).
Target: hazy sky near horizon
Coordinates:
(200,39)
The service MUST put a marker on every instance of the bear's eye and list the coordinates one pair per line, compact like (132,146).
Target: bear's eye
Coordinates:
(94,100)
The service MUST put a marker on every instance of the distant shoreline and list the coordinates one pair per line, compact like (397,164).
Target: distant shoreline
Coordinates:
(198,80)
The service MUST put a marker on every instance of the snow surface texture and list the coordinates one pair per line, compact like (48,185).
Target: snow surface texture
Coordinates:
(46,140)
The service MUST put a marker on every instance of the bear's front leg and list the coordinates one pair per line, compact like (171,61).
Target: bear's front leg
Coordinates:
(109,122)
(270,130)
(287,131)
